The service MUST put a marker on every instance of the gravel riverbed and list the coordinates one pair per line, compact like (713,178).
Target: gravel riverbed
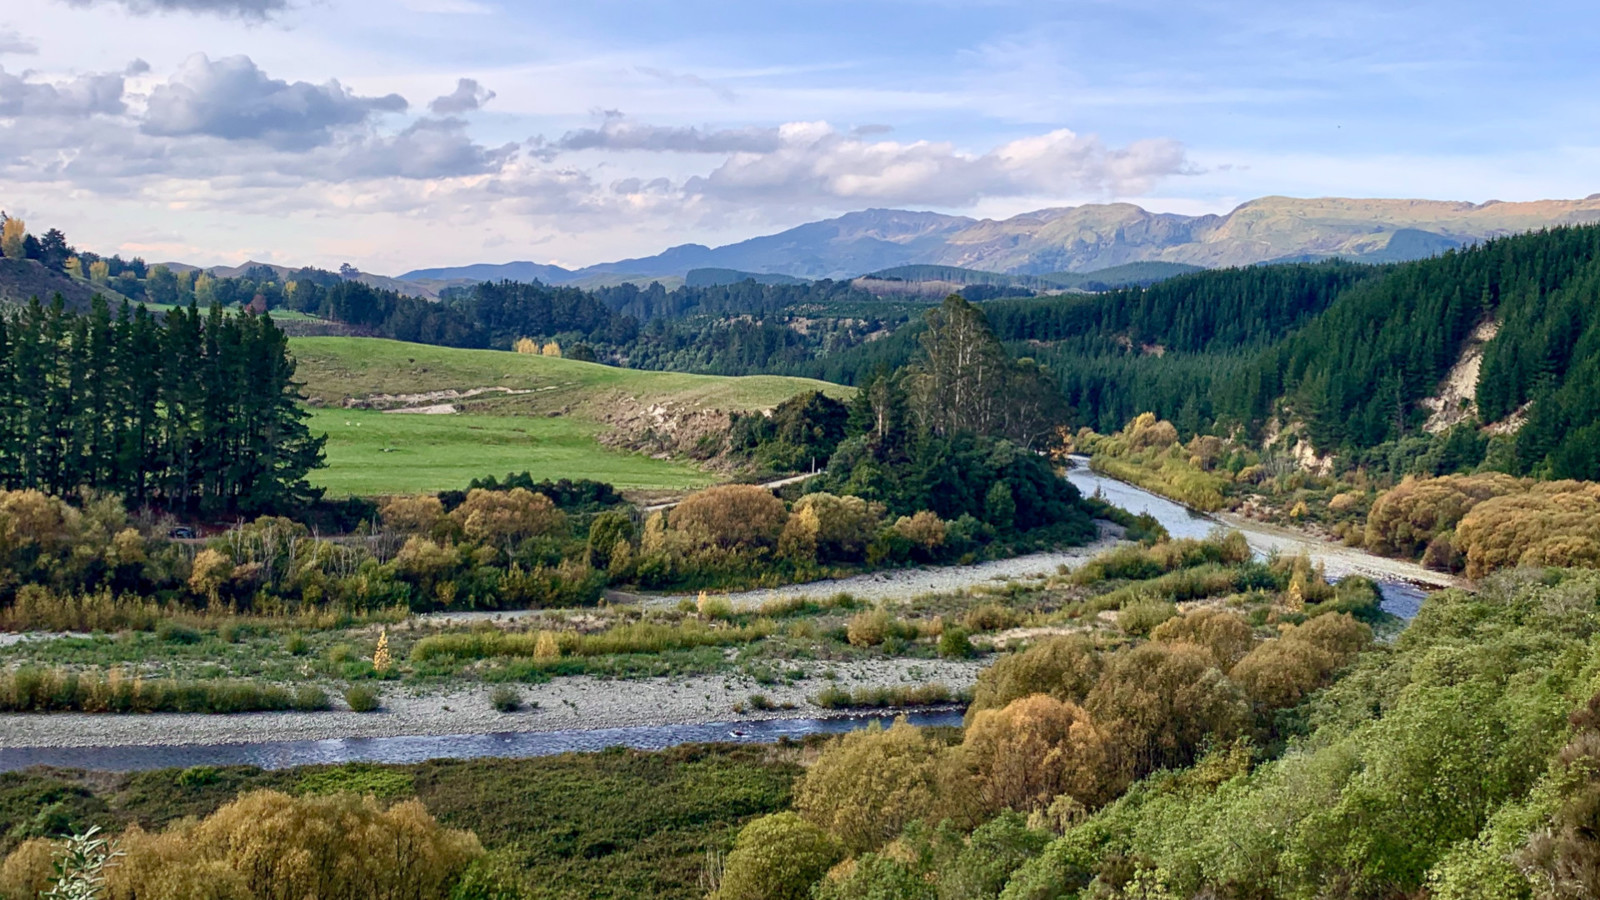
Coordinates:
(563,704)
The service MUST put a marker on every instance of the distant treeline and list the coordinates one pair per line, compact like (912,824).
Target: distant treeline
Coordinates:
(189,411)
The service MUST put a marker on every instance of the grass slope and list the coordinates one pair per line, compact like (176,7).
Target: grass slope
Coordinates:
(545,420)
(372,453)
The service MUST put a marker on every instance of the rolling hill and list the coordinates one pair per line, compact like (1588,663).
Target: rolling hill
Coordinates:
(411,417)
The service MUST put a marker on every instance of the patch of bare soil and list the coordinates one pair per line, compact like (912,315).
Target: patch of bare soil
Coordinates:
(430,399)
(665,430)
(1456,400)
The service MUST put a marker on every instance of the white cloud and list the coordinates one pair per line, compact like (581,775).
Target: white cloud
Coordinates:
(617,132)
(85,95)
(232,98)
(817,164)
(244,9)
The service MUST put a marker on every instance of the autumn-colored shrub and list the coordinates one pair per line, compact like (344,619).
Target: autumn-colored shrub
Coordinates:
(508,518)
(868,784)
(1278,673)
(1405,518)
(730,516)
(825,527)
(271,846)
(1064,667)
(1227,636)
(923,529)
(1553,523)
(873,627)
(1033,750)
(415,515)
(29,870)
(1163,703)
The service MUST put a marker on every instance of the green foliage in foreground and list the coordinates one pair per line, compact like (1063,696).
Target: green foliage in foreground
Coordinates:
(1435,766)
(619,823)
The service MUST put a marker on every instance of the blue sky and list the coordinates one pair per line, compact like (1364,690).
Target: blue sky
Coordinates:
(487,130)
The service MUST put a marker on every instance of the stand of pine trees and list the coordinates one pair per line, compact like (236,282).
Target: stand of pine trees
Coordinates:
(189,411)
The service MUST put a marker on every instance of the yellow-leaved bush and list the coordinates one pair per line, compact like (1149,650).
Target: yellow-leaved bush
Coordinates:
(268,845)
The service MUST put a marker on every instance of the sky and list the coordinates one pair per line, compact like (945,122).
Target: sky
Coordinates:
(402,134)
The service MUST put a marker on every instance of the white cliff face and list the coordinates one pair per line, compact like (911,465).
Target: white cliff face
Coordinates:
(1456,400)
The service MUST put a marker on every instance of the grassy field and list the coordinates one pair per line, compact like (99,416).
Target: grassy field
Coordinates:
(372,453)
(336,368)
(545,420)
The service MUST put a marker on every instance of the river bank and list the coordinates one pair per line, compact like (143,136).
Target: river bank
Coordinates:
(563,704)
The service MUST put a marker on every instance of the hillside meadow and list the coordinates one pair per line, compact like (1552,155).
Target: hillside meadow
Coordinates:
(375,453)
(520,412)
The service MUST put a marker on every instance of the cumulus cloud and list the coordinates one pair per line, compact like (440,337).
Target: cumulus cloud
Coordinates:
(816,163)
(85,95)
(14,43)
(232,98)
(468,96)
(244,9)
(429,148)
(617,132)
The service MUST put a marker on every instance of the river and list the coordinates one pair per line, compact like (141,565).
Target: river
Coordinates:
(1402,584)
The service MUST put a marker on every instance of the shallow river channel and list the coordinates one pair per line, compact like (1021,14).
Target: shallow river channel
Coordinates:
(1403,586)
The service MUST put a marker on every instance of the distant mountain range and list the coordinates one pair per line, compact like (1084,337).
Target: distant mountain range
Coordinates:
(1079,239)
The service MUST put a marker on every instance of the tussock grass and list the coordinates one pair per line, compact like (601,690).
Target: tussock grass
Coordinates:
(887,696)
(637,637)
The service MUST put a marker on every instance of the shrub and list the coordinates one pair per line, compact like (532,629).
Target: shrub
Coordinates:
(1551,524)
(506,699)
(1142,617)
(710,606)
(730,516)
(609,530)
(1227,636)
(884,697)
(955,644)
(268,844)
(310,697)
(177,633)
(508,517)
(1404,519)
(868,629)
(868,784)
(924,529)
(1032,751)
(413,515)
(823,526)
(1163,703)
(1064,667)
(991,617)
(362,698)
(637,637)
(777,857)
